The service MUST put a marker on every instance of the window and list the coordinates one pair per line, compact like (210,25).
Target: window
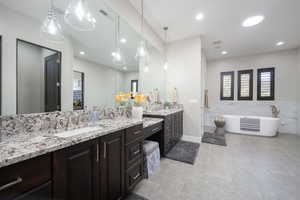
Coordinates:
(134,86)
(78,90)
(245,85)
(265,84)
(227,85)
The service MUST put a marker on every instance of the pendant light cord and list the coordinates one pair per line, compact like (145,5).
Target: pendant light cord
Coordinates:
(142,19)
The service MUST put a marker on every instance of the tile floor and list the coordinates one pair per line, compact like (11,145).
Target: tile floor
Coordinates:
(249,168)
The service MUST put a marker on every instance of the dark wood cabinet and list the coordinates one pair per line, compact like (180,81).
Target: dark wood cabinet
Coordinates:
(173,130)
(112,166)
(24,180)
(76,172)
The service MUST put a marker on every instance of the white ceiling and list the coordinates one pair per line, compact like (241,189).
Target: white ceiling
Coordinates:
(98,44)
(222,22)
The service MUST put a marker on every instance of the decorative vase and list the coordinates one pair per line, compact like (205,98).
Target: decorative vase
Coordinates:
(137,112)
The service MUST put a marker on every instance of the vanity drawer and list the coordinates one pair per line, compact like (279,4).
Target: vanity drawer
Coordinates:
(134,152)
(153,129)
(24,176)
(133,133)
(134,175)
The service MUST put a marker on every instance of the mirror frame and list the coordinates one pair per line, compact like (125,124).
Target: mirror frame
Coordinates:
(0,75)
(17,81)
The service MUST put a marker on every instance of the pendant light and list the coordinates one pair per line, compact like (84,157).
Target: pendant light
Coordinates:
(166,41)
(79,17)
(118,58)
(142,53)
(51,29)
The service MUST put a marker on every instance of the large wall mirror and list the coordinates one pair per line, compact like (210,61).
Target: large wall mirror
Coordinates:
(82,71)
(38,78)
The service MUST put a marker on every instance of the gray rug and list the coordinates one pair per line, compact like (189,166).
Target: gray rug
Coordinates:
(184,152)
(211,139)
(135,197)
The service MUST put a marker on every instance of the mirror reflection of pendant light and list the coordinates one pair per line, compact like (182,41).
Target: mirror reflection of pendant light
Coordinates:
(166,41)
(118,58)
(142,53)
(79,17)
(51,29)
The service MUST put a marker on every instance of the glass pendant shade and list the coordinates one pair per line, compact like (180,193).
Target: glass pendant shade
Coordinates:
(79,17)
(51,29)
(118,58)
(142,53)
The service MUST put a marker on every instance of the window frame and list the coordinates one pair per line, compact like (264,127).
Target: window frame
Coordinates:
(231,98)
(250,97)
(272,96)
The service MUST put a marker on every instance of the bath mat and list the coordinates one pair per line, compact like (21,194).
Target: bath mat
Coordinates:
(134,196)
(184,152)
(211,139)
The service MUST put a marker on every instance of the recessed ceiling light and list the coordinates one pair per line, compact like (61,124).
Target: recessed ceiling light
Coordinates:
(123,40)
(199,16)
(113,53)
(124,68)
(82,53)
(224,52)
(280,43)
(252,21)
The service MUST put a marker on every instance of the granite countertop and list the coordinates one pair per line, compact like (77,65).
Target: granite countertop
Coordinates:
(163,112)
(148,121)
(19,149)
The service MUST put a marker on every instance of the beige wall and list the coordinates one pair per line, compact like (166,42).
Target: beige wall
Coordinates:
(286,87)
(13,26)
(184,73)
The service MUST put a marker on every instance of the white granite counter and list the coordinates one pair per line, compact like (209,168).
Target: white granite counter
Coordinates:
(163,112)
(17,149)
(148,121)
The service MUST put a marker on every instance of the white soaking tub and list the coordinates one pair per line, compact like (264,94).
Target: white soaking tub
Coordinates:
(252,125)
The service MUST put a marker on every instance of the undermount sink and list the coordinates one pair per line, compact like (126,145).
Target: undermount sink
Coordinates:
(79,131)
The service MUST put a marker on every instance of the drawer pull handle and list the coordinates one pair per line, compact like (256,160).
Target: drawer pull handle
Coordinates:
(8,185)
(137,132)
(136,176)
(97,159)
(155,129)
(104,150)
(136,152)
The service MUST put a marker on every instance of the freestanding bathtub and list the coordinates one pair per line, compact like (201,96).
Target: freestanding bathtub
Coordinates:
(255,125)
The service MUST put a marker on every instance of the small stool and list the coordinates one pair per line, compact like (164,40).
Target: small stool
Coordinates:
(151,157)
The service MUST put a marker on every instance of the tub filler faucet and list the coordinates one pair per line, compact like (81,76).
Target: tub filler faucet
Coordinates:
(275,111)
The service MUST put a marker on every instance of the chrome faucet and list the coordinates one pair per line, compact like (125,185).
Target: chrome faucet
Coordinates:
(275,111)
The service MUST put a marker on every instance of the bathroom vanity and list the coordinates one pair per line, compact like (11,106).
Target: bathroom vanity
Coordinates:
(99,162)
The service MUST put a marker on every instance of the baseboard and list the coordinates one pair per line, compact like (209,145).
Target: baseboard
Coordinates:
(191,138)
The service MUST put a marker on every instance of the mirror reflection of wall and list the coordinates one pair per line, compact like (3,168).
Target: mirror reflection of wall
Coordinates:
(78,90)
(38,78)
(0,74)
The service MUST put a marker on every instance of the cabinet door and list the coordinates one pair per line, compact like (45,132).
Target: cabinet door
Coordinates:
(112,166)
(76,172)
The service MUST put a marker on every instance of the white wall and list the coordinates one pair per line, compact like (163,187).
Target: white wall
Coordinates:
(298,91)
(128,76)
(101,83)
(30,67)
(184,73)
(13,26)
(285,63)
(154,76)
(131,15)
